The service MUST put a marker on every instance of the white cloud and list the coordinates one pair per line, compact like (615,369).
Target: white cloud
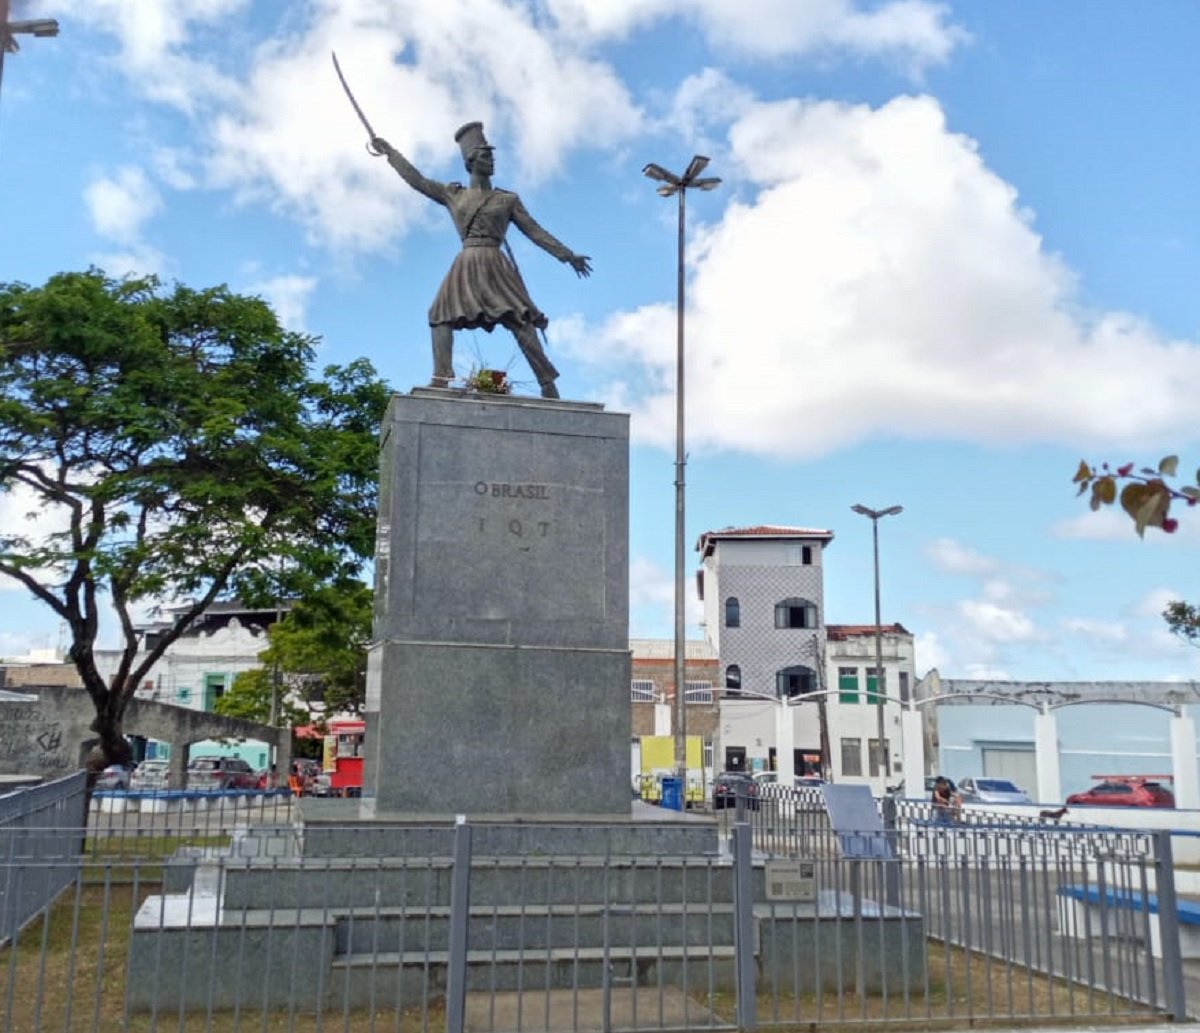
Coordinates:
(120,204)
(1155,601)
(288,296)
(23,517)
(652,600)
(1112,524)
(1097,632)
(139,260)
(884,281)
(911,31)
(153,36)
(998,624)
(929,653)
(952,557)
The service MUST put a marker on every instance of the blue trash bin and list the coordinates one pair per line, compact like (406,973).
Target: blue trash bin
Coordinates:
(672,793)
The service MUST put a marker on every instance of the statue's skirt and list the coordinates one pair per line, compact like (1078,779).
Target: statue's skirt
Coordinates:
(483,290)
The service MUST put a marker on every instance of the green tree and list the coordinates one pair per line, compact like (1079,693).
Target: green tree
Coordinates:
(177,448)
(1184,621)
(319,651)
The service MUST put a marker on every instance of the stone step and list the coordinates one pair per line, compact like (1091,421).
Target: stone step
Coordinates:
(392,979)
(291,884)
(330,831)
(535,928)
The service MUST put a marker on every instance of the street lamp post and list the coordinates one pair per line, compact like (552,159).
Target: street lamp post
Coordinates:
(673,185)
(10,29)
(875,515)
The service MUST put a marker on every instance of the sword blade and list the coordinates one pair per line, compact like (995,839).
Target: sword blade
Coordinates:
(371,134)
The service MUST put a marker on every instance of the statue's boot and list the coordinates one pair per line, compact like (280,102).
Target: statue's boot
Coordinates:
(542,367)
(443,355)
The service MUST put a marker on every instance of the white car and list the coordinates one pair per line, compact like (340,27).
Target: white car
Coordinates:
(150,775)
(991,790)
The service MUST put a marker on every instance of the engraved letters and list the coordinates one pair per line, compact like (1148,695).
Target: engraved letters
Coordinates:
(504,490)
(516,527)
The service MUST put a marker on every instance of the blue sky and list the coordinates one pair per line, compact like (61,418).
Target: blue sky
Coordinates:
(956,250)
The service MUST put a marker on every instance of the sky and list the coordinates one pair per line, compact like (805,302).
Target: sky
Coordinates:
(955,250)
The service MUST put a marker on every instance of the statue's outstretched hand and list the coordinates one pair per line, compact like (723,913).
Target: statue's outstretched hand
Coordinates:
(379,144)
(582,265)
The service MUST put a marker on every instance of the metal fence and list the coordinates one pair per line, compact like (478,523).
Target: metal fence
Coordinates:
(137,823)
(37,822)
(498,928)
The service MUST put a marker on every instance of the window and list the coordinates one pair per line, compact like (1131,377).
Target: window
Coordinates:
(795,613)
(707,750)
(904,686)
(797,680)
(847,684)
(872,694)
(799,555)
(697,692)
(733,612)
(733,678)
(873,748)
(851,756)
(642,691)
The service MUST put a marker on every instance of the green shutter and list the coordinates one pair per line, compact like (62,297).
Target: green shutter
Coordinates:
(848,688)
(872,695)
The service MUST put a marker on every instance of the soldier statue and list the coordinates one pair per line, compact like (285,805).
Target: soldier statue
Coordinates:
(483,288)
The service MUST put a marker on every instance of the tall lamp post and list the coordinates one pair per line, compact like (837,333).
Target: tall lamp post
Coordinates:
(671,185)
(10,29)
(875,515)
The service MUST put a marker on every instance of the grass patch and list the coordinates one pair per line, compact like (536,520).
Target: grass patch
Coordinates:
(67,972)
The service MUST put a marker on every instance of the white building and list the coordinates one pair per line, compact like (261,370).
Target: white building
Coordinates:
(200,666)
(796,689)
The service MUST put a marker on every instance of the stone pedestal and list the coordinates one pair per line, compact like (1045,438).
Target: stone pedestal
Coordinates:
(499,677)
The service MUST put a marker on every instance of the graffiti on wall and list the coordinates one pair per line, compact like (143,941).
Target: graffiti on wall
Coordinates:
(32,741)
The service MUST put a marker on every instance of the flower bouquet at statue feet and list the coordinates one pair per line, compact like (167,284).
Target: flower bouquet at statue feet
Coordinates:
(488,381)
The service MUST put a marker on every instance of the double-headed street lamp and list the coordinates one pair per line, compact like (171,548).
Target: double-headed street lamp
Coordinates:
(875,515)
(673,185)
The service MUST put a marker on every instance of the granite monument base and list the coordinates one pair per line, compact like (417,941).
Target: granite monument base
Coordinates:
(501,729)
(498,682)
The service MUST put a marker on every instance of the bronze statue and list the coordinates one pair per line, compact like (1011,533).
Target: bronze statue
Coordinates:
(483,288)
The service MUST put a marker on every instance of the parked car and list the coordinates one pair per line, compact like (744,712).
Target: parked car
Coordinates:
(991,790)
(220,773)
(726,786)
(764,778)
(150,775)
(1124,791)
(115,776)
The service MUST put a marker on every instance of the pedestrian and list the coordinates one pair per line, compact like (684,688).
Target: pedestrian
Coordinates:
(944,806)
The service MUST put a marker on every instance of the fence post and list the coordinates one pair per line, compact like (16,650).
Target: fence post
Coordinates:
(1174,990)
(743,928)
(891,862)
(460,911)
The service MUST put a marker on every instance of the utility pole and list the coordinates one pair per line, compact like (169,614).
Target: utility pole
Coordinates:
(9,30)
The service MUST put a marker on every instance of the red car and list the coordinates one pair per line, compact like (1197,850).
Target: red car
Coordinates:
(1125,791)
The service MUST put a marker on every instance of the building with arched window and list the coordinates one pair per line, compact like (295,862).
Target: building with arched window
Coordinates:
(763,595)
